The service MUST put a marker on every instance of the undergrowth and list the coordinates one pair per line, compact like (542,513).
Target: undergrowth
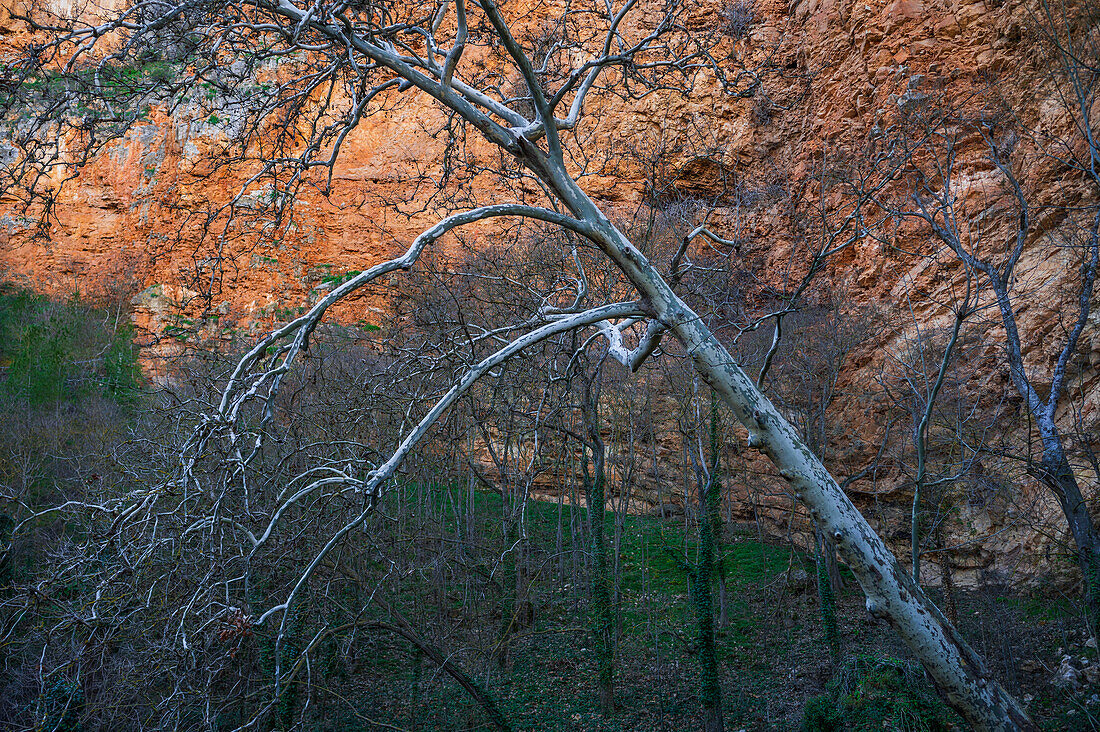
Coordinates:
(873,693)
(53,351)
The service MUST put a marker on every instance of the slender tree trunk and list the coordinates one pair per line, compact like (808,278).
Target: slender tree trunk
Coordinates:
(710,687)
(723,594)
(509,577)
(832,566)
(287,702)
(826,599)
(950,605)
(714,511)
(415,690)
(603,617)
(914,532)
(525,604)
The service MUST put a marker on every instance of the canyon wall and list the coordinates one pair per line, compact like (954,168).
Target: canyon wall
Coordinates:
(135,222)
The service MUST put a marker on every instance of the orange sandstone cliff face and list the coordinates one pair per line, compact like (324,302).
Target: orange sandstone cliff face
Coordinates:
(133,221)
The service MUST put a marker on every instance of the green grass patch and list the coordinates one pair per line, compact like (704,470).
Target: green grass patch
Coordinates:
(60,351)
(1043,609)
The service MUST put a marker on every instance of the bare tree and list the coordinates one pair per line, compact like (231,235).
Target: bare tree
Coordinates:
(998,250)
(816,341)
(925,381)
(527,101)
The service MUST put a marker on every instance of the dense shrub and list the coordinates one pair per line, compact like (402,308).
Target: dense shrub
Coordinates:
(869,693)
(737,18)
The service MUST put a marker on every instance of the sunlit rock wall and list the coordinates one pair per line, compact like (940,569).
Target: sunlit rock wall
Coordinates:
(836,69)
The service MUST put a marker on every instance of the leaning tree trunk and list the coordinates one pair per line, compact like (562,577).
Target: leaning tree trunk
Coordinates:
(960,674)
(1054,471)
(965,682)
(400,626)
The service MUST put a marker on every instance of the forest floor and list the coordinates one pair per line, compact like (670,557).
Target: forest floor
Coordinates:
(774,657)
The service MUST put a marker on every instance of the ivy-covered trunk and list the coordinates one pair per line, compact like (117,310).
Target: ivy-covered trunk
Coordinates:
(710,689)
(714,512)
(702,577)
(603,617)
